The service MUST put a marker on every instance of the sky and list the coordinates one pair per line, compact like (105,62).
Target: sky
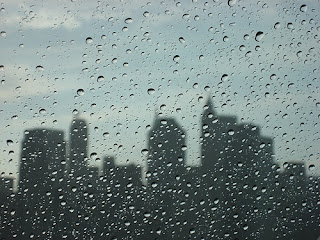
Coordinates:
(117,64)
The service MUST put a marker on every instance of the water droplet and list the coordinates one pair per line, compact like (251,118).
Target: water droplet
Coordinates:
(303,8)
(100,78)
(146,14)
(225,38)
(312,167)
(176,58)
(42,111)
(259,36)
(144,151)
(40,68)
(9,142)
(21,45)
(151,91)
(231,3)
(245,227)
(277,25)
(224,77)
(80,91)
(201,57)
(128,20)
(185,16)
(89,40)
(3,33)
(105,134)
(181,39)
(93,155)
(231,132)
(289,25)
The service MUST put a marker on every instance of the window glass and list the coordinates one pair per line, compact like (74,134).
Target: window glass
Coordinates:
(159,119)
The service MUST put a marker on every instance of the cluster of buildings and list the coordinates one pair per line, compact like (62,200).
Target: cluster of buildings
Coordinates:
(238,191)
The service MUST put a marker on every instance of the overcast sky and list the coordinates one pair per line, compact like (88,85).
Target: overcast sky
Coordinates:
(154,57)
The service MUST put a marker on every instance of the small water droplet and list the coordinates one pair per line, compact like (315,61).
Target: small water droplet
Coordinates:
(9,142)
(231,132)
(181,39)
(80,91)
(89,40)
(3,33)
(146,14)
(42,111)
(277,25)
(224,77)
(93,155)
(312,167)
(144,151)
(100,78)
(176,58)
(40,68)
(105,134)
(151,91)
(259,36)
(128,20)
(231,3)
(303,8)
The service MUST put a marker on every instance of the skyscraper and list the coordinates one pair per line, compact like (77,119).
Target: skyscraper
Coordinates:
(41,172)
(78,154)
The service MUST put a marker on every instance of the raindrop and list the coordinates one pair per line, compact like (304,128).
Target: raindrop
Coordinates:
(231,3)
(151,91)
(231,132)
(181,39)
(224,77)
(277,25)
(100,78)
(225,38)
(259,36)
(128,20)
(40,68)
(176,58)
(89,40)
(289,25)
(312,167)
(245,227)
(303,8)
(80,91)
(144,151)
(42,111)
(9,142)
(105,134)
(185,16)
(146,14)
(3,34)
(93,155)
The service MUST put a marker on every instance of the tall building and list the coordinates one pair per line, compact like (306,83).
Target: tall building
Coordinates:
(166,152)
(78,154)
(42,168)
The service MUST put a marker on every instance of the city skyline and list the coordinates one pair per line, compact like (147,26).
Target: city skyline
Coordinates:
(238,190)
